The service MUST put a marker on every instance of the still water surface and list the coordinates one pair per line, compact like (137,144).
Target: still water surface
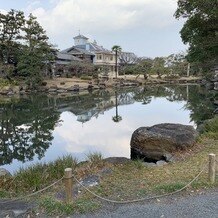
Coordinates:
(41,128)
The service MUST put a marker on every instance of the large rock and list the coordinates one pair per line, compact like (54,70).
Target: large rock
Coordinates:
(156,142)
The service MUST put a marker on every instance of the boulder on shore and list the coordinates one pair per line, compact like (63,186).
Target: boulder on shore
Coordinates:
(157,142)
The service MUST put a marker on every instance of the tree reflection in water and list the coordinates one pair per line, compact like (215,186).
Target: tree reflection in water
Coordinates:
(27,123)
(117,118)
(26,128)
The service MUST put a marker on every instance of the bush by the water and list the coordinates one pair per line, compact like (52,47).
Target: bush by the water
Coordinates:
(210,128)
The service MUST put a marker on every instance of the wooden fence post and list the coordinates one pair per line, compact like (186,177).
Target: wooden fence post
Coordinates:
(68,184)
(212,168)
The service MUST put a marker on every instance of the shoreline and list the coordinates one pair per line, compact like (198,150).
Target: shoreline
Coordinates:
(63,86)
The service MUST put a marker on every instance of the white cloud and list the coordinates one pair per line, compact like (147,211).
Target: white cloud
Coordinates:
(97,16)
(32,5)
(78,138)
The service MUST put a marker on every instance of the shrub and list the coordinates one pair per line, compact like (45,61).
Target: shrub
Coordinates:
(210,128)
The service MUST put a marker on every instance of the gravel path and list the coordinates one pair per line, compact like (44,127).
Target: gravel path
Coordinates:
(203,205)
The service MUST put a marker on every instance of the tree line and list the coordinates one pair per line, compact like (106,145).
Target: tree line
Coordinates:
(173,65)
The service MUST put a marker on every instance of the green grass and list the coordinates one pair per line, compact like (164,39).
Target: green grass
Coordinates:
(38,175)
(210,128)
(53,207)
(168,188)
(4,194)
(95,158)
(203,184)
(139,164)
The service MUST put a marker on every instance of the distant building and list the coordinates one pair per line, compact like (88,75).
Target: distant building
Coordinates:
(90,52)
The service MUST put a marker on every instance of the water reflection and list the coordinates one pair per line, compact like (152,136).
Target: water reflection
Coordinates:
(117,118)
(45,127)
(26,128)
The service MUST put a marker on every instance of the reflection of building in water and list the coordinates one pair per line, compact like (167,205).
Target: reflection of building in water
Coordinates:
(86,116)
(106,104)
(101,107)
(123,99)
(94,107)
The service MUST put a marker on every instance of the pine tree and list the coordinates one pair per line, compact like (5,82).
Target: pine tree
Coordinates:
(36,53)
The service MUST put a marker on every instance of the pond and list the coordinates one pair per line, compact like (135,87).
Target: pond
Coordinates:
(40,128)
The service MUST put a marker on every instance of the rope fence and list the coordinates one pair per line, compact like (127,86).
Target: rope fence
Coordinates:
(32,194)
(68,177)
(142,199)
(211,173)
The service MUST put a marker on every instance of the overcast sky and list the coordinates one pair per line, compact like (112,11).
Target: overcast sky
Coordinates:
(145,27)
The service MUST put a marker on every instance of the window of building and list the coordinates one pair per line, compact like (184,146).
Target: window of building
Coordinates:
(111,58)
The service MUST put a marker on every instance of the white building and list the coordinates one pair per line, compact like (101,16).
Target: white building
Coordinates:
(93,53)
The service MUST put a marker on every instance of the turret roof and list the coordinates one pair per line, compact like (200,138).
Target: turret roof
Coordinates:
(80,37)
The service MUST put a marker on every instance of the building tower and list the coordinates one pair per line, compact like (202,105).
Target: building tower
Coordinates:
(80,40)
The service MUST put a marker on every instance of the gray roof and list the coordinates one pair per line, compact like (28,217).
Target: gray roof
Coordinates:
(66,57)
(97,48)
(80,36)
(84,51)
(77,50)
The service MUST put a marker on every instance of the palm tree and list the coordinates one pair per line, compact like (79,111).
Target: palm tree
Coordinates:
(117,118)
(117,49)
